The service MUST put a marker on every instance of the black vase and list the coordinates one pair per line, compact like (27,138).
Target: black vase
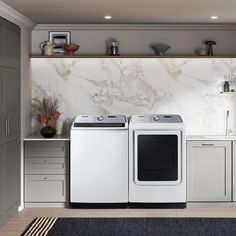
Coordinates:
(48,131)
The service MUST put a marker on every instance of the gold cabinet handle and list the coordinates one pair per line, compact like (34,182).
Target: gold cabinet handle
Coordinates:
(6,126)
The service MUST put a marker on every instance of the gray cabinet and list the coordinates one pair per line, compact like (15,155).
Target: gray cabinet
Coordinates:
(1,41)
(9,44)
(11,175)
(9,119)
(234,171)
(46,172)
(9,179)
(1,187)
(10,90)
(9,81)
(209,171)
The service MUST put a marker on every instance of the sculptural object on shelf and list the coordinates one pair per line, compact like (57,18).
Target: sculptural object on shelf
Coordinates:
(47,48)
(112,46)
(70,49)
(209,44)
(160,49)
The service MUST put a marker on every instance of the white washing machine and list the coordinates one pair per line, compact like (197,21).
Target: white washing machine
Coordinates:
(99,161)
(157,161)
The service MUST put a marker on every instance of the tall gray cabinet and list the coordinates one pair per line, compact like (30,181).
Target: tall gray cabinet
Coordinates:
(9,119)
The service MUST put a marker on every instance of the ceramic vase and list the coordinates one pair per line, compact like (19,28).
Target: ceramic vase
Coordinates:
(48,131)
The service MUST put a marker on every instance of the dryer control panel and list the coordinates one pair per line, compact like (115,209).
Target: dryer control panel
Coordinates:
(157,118)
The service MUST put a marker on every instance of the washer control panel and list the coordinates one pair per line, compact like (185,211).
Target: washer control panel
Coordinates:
(100,121)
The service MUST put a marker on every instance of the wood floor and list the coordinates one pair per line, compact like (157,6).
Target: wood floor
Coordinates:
(18,223)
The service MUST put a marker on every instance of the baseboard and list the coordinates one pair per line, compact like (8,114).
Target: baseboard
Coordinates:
(127,205)
(178,205)
(98,205)
(210,204)
(46,204)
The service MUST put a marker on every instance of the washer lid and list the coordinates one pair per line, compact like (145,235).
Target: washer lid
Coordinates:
(156,118)
(100,121)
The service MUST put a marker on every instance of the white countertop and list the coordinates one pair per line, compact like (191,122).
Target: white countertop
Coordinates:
(188,138)
(211,137)
(41,138)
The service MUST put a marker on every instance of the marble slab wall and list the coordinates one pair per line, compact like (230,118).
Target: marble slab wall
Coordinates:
(189,87)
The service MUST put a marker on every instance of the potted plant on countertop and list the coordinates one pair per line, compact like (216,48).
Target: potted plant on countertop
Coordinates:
(48,115)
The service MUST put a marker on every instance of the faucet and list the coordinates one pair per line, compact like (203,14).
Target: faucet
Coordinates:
(227,130)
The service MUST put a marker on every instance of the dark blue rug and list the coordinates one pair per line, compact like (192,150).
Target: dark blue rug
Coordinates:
(132,227)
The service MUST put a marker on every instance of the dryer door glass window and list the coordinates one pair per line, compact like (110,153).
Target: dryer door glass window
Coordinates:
(157,157)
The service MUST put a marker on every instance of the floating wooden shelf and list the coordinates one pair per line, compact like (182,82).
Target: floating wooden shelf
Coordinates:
(230,92)
(130,56)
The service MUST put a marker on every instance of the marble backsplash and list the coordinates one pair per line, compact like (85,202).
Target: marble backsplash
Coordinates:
(189,87)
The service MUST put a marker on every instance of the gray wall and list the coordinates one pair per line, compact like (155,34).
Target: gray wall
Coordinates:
(134,39)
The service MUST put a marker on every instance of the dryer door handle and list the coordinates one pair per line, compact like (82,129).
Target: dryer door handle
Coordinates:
(207,144)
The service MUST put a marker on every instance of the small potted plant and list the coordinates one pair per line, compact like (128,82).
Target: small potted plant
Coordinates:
(47,116)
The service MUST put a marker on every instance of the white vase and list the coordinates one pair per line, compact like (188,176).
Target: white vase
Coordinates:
(59,126)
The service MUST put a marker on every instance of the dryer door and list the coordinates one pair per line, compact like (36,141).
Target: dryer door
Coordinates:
(157,157)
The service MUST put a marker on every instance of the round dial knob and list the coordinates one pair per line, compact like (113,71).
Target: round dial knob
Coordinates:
(100,118)
(156,118)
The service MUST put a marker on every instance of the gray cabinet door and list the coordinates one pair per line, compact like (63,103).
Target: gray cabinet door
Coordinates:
(2,124)
(1,42)
(234,171)
(9,118)
(9,81)
(1,186)
(11,175)
(209,171)
(11,45)
(10,104)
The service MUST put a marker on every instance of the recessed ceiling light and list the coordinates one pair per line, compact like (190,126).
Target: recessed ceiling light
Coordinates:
(214,17)
(107,17)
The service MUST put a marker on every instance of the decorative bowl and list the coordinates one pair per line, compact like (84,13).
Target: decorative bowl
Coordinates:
(160,49)
(70,49)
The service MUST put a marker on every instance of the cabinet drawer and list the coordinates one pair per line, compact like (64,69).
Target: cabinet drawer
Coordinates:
(46,166)
(46,188)
(46,149)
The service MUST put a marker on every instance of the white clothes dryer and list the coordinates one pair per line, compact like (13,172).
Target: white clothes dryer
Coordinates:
(157,161)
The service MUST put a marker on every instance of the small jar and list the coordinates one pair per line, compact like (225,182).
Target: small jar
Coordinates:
(226,86)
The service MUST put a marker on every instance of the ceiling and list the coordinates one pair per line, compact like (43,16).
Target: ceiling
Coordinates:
(125,11)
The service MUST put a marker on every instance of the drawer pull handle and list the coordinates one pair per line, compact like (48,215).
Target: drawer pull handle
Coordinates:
(45,178)
(45,161)
(208,144)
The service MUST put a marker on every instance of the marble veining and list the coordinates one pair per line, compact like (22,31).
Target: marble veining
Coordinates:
(189,87)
